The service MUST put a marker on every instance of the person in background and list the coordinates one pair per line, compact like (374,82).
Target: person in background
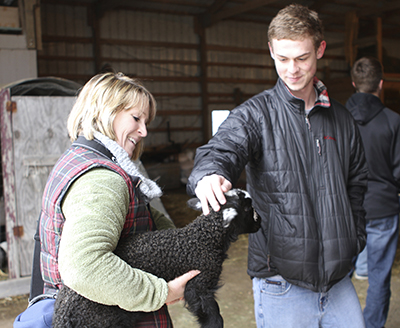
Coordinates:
(96,195)
(380,132)
(361,265)
(307,175)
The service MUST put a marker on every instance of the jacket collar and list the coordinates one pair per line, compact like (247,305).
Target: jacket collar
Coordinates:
(297,103)
(93,145)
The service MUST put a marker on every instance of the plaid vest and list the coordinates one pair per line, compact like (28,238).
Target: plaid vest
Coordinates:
(72,164)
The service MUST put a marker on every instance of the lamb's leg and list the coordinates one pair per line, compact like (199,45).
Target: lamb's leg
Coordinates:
(205,308)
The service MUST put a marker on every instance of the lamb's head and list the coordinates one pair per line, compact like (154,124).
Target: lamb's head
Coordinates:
(237,212)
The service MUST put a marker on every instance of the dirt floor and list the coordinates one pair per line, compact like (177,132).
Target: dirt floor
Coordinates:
(235,297)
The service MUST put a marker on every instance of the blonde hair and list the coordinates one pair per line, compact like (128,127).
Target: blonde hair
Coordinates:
(101,99)
(296,22)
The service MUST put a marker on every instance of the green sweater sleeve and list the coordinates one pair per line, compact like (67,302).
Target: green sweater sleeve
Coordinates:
(95,208)
(160,220)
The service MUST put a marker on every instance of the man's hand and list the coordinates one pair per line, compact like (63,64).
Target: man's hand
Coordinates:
(210,190)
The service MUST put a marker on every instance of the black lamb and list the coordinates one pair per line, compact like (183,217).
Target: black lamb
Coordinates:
(200,245)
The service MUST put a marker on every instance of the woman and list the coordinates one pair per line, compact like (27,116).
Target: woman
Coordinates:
(96,195)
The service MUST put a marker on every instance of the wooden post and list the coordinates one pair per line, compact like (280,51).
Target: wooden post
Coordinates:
(94,17)
(7,160)
(379,54)
(379,38)
(31,23)
(201,32)
(351,35)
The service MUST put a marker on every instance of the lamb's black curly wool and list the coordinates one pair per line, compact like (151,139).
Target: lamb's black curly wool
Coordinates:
(201,245)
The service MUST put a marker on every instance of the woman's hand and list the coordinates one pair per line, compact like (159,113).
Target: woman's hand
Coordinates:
(177,286)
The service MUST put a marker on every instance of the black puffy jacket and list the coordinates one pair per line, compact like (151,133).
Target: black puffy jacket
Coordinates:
(307,176)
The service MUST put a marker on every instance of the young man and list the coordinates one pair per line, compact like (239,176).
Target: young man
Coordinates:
(380,131)
(306,172)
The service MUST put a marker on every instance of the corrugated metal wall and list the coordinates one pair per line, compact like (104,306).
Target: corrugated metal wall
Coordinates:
(165,52)
(67,47)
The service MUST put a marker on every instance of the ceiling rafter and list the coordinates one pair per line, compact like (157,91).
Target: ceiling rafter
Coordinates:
(210,12)
(210,19)
(217,5)
(373,10)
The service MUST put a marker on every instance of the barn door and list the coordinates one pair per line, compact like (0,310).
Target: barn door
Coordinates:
(39,136)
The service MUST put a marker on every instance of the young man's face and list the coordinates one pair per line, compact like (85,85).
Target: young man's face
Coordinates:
(296,63)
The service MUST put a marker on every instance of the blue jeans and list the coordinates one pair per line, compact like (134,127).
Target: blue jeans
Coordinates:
(382,237)
(362,263)
(39,314)
(279,304)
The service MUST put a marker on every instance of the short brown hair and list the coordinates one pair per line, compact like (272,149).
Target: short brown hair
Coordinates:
(296,22)
(101,99)
(367,73)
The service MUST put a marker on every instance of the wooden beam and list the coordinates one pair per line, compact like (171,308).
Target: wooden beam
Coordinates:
(365,42)
(175,112)
(392,85)
(150,43)
(177,129)
(38,26)
(105,5)
(72,39)
(212,19)
(391,81)
(87,77)
(66,39)
(379,48)
(176,94)
(194,79)
(30,14)
(9,191)
(64,58)
(379,10)
(240,80)
(370,9)
(94,17)
(394,77)
(151,61)
(217,5)
(207,133)
(136,43)
(216,47)
(351,36)
(15,287)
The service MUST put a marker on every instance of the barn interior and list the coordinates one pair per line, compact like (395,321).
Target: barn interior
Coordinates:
(199,58)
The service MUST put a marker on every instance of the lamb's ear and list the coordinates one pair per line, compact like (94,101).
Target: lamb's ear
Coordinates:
(236,192)
(194,203)
(228,215)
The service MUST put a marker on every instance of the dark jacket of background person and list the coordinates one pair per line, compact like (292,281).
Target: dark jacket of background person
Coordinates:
(379,127)
(299,169)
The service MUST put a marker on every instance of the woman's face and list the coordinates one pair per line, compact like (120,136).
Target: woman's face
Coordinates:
(130,127)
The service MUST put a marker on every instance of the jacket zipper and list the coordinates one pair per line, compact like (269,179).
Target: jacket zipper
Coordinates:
(319,151)
(318,146)
(317,142)
(308,123)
